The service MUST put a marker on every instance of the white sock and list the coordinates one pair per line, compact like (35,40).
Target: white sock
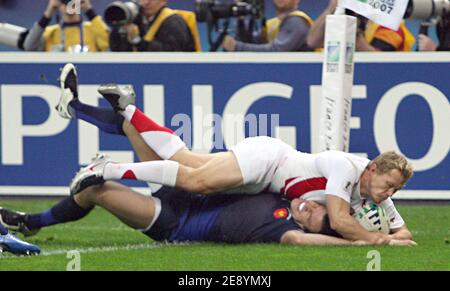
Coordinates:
(160,172)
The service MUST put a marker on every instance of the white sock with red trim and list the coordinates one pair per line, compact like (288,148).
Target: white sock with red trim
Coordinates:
(160,172)
(161,139)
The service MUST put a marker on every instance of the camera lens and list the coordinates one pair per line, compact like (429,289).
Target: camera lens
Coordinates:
(115,15)
(120,13)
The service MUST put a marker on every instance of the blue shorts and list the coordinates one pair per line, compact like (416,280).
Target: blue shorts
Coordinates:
(184,216)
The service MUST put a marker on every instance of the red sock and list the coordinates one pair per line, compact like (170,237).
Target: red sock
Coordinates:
(159,138)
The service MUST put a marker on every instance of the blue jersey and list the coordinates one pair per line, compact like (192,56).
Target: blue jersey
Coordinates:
(228,218)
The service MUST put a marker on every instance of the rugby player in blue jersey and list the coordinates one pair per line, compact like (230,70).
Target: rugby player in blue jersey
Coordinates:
(174,215)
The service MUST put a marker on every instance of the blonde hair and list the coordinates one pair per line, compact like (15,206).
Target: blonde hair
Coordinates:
(391,160)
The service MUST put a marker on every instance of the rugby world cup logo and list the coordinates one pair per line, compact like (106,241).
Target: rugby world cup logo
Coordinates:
(333,56)
(349,53)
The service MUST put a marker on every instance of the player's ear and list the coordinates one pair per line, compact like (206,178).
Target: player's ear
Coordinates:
(314,204)
(373,167)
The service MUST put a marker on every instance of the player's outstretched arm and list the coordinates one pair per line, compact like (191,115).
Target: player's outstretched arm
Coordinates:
(402,242)
(300,238)
(342,222)
(401,233)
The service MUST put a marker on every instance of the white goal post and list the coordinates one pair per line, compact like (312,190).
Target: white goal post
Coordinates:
(337,82)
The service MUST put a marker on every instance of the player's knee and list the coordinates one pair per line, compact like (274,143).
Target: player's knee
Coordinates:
(84,199)
(96,194)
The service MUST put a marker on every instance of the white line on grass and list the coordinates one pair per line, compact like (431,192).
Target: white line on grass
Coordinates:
(96,228)
(103,249)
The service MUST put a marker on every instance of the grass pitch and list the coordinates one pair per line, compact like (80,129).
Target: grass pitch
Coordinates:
(104,243)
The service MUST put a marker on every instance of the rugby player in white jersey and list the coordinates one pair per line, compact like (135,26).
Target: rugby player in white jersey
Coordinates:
(339,180)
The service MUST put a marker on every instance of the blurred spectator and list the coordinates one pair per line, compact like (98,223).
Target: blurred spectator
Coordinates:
(379,38)
(7,3)
(443,34)
(285,32)
(71,34)
(159,29)
(370,36)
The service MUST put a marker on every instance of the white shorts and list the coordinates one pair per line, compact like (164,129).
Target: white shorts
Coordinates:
(258,158)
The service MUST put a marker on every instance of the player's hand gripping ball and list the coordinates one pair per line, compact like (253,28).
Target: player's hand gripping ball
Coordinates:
(372,217)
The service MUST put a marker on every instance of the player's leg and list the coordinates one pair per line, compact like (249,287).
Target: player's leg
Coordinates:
(64,211)
(132,208)
(141,148)
(162,140)
(252,162)
(248,168)
(145,153)
(108,120)
(220,173)
(69,105)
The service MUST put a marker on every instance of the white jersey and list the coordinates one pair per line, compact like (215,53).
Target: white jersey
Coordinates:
(270,164)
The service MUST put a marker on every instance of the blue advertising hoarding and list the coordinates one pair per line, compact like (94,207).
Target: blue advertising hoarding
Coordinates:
(400,102)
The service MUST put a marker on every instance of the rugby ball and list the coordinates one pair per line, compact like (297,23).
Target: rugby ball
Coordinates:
(372,217)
